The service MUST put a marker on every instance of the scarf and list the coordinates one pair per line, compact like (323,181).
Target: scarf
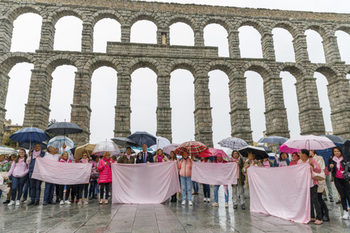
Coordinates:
(338,160)
(160,158)
(128,156)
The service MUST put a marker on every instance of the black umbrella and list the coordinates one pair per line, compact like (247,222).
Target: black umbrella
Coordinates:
(26,145)
(143,138)
(125,142)
(268,150)
(335,139)
(64,128)
(259,152)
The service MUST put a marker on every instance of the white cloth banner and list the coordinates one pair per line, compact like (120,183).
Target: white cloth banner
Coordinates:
(215,173)
(144,183)
(282,191)
(61,173)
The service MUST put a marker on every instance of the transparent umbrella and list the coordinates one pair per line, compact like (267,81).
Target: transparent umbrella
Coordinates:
(105,146)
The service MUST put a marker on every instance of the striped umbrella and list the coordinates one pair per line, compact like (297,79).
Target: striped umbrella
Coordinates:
(193,148)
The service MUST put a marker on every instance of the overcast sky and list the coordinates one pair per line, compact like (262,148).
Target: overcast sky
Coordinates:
(144,89)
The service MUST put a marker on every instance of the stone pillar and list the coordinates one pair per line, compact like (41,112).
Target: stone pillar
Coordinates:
(233,44)
(37,110)
(267,46)
(240,116)
(163,108)
(300,48)
(4,82)
(163,37)
(122,109)
(47,35)
(6,29)
(275,111)
(199,37)
(125,33)
(202,112)
(87,40)
(81,111)
(310,113)
(339,99)
(330,46)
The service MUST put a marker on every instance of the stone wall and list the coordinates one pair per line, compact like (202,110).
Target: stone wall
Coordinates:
(125,57)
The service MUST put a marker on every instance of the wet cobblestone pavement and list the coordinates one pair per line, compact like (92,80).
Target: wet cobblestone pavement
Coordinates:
(166,217)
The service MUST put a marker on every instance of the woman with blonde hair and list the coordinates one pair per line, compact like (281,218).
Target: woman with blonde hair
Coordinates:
(160,157)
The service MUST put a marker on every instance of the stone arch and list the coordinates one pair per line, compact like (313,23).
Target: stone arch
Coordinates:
(253,23)
(329,72)
(184,64)
(100,61)
(16,12)
(221,21)
(144,63)
(319,29)
(66,11)
(10,61)
(103,14)
(145,16)
(295,69)
(225,67)
(259,67)
(287,26)
(63,59)
(183,19)
(344,28)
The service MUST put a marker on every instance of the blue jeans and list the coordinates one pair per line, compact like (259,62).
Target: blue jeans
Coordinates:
(35,186)
(48,192)
(216,194)
(186,186)
(26,189)
(93,184)
(195,186)
(17,187)
(206,190)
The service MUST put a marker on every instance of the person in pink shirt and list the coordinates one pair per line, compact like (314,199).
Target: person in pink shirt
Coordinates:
(64,159)
(105,175)
(305,158)
(238,189)
(83,187)
(295,159)
(185,167)
(337,166)
(19,171)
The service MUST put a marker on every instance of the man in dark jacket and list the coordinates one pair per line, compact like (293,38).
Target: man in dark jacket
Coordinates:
(144,156)
(34,183)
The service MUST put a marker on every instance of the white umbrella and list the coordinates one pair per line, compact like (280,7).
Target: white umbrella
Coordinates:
(7,150)
(309,142)
(161,143)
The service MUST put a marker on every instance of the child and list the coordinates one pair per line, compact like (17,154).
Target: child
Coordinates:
(105,176)
(238,189)
(266,162)
(64,159)
(185,167)
(83,187)
(206,187)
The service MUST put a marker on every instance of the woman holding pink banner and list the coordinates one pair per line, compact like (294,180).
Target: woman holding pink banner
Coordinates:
(185,167)
(160,157)
(295,159)
(206,187)
(238,189)
(64,159)
(172,159)
(105,176)
(219,159)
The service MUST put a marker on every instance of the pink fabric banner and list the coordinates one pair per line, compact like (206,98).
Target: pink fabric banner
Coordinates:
(144,183)
(282,191)
(61,173)
(215,173)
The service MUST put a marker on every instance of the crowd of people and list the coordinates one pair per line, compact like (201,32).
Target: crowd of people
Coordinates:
(18,183)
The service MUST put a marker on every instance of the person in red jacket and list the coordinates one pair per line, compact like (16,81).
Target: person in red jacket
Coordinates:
(105,175)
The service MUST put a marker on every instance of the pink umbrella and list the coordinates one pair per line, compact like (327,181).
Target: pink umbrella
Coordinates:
(213,152)
(170,147)
(286,149)
(309,142)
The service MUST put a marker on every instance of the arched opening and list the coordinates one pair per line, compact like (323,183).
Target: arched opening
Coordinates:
(18,90)
(62,92)
(68,34)
(256,103)
(106,30)
(283,44)
(343,40)
(216,35)
(250,42)
(181,34)
(220,103)
(315,46)
(182,105)
(144,100)
(144,31)
(322,90)
(26,33)
(291,102)
(104,80)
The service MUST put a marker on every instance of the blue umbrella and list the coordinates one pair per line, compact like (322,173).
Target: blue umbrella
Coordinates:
(63,128)
(273,139)
(141,137)
(30,134)
(26,145)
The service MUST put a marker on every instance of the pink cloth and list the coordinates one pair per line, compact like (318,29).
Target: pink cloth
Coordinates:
(61,173)
(65,161)
(19,169)
(282,191)
(144,183)
(316,168)
(84,160)
(105,169)
(215,173)
(266,164)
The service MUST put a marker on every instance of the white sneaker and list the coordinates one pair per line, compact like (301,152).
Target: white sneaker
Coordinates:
(183,202)
(11,203)
(208,200)
(17,203)
(205,199)
(215,204)
(226,205)
(345,216)
(67,202)
(61,202)
(190,203)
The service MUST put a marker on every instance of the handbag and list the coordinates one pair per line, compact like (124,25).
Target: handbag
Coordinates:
(318,176)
